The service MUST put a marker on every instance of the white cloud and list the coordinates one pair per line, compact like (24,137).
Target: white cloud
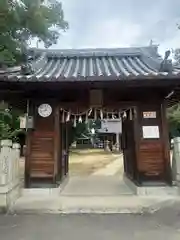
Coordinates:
(110,33)
(115,23)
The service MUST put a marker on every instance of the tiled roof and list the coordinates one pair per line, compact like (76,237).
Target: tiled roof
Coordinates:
(92,64)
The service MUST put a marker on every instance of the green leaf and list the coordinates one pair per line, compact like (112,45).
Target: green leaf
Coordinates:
(20,23)
(173,115)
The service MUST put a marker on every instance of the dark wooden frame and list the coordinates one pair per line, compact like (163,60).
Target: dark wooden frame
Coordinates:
(116,94)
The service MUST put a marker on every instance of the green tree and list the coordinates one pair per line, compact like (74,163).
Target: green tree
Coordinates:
(173,115)
(24,20)
(9,123)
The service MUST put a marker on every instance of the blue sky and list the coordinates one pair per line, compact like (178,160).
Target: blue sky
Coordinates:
(121,23)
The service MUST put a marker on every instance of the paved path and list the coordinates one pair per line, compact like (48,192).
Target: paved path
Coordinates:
(162,226)
(88,195)
(96,186)
(112,168)
(93,193)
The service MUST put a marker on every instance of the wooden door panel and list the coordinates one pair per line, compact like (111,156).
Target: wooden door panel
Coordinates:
(151,158)
(42,154)
(46,166)
(151,153)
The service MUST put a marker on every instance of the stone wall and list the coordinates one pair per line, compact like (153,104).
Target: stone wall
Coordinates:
(9,174)
(176,160)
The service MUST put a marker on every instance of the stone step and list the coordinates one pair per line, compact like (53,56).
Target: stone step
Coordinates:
(152,190)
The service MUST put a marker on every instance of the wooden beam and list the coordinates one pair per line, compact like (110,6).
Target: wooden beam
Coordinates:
(166,144)
(56,142)
(27,159)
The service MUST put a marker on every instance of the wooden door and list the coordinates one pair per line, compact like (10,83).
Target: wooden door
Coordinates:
(42,155)
(128,146)
(42,142)
(152,161)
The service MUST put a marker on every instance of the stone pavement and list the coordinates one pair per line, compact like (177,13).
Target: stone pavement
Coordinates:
(162,226)
(88,195)
(39,203)
(96,186)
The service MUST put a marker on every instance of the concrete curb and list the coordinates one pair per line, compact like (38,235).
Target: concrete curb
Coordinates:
(160,205)
(98,210)
(75,211)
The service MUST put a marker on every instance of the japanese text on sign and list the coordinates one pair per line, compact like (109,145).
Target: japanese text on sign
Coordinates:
(149,114)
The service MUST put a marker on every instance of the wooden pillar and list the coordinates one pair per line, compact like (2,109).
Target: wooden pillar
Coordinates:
(43,146)
(152,148)
(166,143)
(28,150)
(57,148)
(129,145)
(27,159)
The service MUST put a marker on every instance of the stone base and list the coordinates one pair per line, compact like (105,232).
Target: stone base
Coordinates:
(152,190)
(43,192)
(8,196)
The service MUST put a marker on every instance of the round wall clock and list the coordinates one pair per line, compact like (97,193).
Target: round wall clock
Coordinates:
(44,110)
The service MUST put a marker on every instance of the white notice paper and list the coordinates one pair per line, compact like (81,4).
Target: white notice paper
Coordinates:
(150,132)
(23,122)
